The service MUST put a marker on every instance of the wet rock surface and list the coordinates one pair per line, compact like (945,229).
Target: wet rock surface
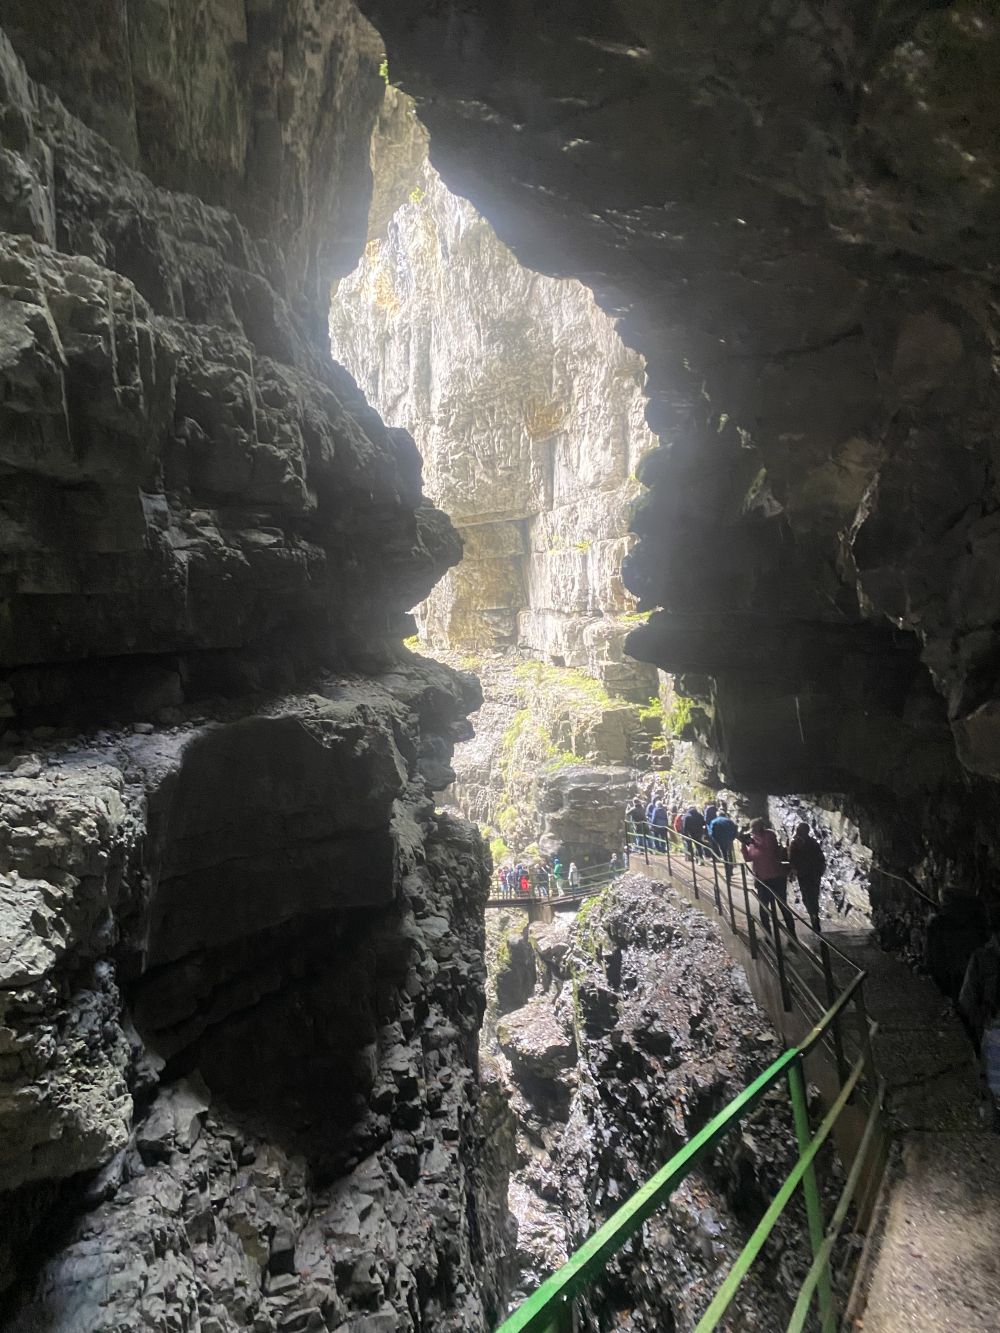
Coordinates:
(640,1030)
(262,1104)
(791,211)
(241,970)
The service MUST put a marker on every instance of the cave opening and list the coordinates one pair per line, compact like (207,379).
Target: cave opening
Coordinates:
(696,332)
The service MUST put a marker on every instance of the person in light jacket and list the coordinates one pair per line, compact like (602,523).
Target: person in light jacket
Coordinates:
(762,850)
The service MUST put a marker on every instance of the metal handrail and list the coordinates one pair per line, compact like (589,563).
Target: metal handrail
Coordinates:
(908,883)
(760,888)
(550,1309)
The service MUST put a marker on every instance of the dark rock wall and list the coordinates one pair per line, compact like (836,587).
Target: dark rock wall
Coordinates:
(241,970)
(792,209)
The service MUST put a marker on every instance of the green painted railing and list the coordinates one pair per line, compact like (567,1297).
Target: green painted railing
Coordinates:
(552,1308)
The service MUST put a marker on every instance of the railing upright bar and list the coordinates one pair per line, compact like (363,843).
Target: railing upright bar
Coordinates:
(718,895)
(751,925)
(779,953)
(865,1031)
(821,1262)
(694,872)
(729,895)
(645,842)
(831,995)
(744,1261)
(810,1191)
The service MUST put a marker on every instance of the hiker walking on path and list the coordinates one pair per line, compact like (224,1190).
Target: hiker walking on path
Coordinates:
(762,851)
(635,816)
(722,833)
(693,829)
(574,876)
(807,862)
(660,826)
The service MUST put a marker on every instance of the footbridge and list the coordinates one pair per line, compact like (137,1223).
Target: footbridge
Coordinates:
(899,1104)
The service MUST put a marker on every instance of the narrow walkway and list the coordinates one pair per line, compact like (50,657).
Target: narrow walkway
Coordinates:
(935,1265)
(937,1262)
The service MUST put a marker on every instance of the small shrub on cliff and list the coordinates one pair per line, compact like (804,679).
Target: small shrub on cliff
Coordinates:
(498,850)
(679,718)
(652,712)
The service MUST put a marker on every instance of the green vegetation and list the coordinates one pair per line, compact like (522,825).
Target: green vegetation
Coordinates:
(507,819)
(634,618)
(679,717)
(588,933)
(582,546)
(383,69)
(565,684)
(652,712)
(498,850)
(413,643)
(416,195)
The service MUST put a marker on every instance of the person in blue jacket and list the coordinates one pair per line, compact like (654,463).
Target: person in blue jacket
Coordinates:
(722,833)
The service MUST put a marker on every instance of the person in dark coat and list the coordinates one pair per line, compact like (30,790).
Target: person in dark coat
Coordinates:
(659,822)
(808,864)
(635,817)
(693,829)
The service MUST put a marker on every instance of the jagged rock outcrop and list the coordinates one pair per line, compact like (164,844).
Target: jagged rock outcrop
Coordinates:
(791,210)
(551,759)
(269,901)
(195,495)
(524,403)
(240,955)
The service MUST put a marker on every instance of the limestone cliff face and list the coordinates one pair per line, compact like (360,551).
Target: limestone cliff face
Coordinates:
(240,956)
(791,208)
(524,403)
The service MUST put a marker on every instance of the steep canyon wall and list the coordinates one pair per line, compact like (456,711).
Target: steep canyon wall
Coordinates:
(790,209)
(240,954)
(527,408)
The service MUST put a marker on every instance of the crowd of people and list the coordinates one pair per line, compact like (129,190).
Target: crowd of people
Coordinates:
(657,819)
(550,878)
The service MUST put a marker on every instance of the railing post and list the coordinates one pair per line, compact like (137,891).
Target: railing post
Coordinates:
(751,924)
(729,894)
(810,1189)
(865,1034)
(786,997)
(670,867)
(718,895)
(645,841)
(694,872)
(831,996)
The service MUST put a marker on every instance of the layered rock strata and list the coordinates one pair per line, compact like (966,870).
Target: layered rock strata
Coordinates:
(240,955)
(526,407)
(791,210)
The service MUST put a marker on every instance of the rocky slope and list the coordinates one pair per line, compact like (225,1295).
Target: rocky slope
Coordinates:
(240,955)
(620,1034)
(791,210)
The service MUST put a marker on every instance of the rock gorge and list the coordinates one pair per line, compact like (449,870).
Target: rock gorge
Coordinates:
(528,413)
(241,947)
(790,210)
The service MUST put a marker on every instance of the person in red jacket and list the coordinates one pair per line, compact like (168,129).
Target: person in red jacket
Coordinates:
(762,850)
